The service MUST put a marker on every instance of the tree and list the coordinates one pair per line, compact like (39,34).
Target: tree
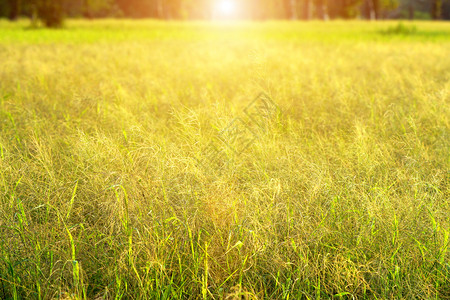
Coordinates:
(411,10)
(436,9)
(14,9)
(378,9)
(51,12)
(98,8)
(321,9)
(368,10)
(342,8)
(306,9)
(446,10)
(293,8)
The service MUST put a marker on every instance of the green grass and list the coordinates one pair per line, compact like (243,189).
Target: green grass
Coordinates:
(344,194)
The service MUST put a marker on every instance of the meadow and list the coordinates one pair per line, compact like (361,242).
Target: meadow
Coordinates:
(122,177)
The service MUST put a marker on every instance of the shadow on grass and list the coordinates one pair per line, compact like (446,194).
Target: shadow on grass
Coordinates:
(400,29)
(411,31)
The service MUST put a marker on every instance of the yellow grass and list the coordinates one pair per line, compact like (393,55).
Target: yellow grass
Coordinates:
(109,190)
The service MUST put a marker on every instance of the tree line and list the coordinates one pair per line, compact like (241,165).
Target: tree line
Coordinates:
(52,12)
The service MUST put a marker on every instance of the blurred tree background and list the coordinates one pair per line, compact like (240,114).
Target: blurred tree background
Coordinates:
(52,12)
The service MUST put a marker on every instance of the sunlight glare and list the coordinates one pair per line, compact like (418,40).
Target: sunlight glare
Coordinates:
(225,8)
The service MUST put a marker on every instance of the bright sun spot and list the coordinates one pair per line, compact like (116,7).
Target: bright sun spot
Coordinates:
(225,8)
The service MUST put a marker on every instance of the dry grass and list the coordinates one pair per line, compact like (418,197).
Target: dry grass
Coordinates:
(345,194)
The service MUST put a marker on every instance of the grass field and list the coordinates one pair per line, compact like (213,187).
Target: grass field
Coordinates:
(122,175)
